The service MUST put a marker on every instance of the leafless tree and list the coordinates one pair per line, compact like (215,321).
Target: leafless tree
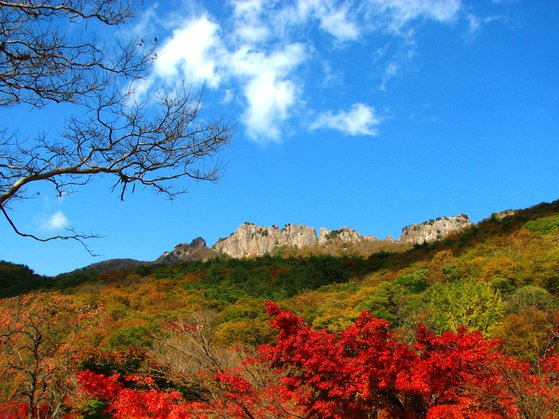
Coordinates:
(153,142)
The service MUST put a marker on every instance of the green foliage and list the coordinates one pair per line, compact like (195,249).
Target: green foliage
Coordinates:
(526,333)
(226,281)
(245,332)
(543,225)
(468,303)
(335,319)
(415,282)
(244,308)
(500,276)
(543,271)
(339,287)
(136,336)
(18,279)
(128,361)
(503,285)
(73,279)
(393,300)
(93,409)
(383,302)
(531,296)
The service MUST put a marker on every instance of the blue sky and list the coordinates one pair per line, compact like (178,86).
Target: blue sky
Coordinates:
(371,114)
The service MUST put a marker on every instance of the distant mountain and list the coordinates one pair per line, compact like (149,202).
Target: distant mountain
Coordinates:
(16,279)
(250,240)
(183,253)
(113,265)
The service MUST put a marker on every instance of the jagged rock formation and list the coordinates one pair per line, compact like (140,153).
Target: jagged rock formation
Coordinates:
(433,230)
(502,214)
(342,235)
(182,253)
(253,240)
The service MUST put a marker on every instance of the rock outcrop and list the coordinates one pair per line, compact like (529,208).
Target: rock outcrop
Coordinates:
(433,230)
(503,214)
(342,235)
(252,240)
(182,253)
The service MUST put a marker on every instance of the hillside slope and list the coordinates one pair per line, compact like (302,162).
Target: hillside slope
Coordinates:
(499,279)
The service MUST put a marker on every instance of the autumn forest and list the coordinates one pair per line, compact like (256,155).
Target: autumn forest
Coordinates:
(459,328)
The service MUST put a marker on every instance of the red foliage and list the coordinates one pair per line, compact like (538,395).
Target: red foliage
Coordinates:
(357,373)
(41,335)
(365,369)
(18,409)
(131,403)
(100,386)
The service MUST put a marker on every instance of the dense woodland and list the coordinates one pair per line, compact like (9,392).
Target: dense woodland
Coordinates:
(464,327)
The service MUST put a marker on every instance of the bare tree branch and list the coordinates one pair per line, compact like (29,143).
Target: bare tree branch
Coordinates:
(154,142)
(81,238)
(39,63)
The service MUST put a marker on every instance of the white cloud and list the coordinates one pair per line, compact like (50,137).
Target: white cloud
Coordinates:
(146,22)
(332,17)
(400,62)
(337,23)
(474,23)
(192,49)
(255,50)
(56,221)
(228,97)
(268,92)
(361,119)
(395,14)
(332,78)
(390,71)
(248,23)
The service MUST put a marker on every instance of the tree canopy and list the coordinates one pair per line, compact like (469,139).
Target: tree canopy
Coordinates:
(154,140)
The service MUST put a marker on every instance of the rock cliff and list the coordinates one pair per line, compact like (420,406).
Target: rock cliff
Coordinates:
(253,240)
(342,235)
(250,240)
(195,251)
(433,230)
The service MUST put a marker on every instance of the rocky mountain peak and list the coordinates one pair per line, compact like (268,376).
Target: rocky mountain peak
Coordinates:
(196,250)
(433,230)
(198,242)
(252,240)
(343,235)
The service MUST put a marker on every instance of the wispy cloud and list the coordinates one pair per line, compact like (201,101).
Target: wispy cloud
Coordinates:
(256,52)
(338,23)
(54,222)
(248,23)
(398,63)
(476,23)
(360,119)
(395,15)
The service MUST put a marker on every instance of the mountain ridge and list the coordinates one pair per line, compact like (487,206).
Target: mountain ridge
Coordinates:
(251,240)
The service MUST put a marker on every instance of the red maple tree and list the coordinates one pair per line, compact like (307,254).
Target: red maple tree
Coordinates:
(359,372)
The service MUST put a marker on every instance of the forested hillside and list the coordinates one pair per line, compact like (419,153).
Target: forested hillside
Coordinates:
(463,327)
